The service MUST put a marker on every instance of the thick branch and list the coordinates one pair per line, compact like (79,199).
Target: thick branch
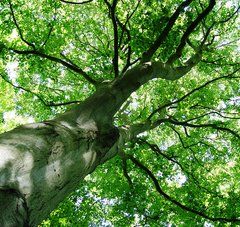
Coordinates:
(149,53)
(189,30)
(136,129)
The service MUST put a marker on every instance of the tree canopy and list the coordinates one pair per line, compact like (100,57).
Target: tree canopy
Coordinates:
(181,165)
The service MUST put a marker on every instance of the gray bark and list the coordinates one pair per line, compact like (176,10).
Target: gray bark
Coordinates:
(41,163)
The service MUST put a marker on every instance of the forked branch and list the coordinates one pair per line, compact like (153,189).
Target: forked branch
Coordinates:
(18,27)
(162,37)
(174,201)
(189,30)
(229,76)
(43,101)
(69,65)
(206,125)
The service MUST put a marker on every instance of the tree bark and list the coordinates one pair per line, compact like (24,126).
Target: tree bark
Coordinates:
(41,163)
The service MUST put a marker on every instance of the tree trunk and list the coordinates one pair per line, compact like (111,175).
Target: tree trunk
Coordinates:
(41,163)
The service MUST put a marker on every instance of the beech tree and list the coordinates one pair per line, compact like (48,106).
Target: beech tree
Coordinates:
(142,95)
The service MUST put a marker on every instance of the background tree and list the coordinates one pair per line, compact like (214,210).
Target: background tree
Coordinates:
(151,85)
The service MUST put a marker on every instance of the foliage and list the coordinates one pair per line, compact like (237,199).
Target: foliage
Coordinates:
(193,152)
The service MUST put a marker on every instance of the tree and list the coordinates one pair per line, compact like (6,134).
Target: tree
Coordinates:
(152,86)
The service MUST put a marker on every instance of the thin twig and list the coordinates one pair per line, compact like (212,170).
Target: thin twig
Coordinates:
(76,3)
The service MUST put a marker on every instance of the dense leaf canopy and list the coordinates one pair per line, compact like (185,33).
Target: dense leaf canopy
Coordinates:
(181,171)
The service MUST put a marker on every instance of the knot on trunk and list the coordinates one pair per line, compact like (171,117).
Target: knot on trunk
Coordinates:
(108,138)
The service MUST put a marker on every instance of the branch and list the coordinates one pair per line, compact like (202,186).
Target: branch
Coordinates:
(196,58)
(229,76)
(220,64)
(208,125)
(124,166)
(135,9)
(156,149)
(63,103)
(174,201)
(112,10)
(211,113)
(230,16)
(76,3)
(125,29)
(71,66)
(189,64)
(214,111)
(190,174)
(48,35)
(50,30)
(186,124)
(45,103)
(189,30)
(18,28)
(129,49)
(149,53)
(168,72)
